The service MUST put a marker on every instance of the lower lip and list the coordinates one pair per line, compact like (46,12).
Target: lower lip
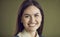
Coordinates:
(32,26)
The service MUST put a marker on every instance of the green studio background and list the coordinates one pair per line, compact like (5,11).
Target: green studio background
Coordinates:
(9,11)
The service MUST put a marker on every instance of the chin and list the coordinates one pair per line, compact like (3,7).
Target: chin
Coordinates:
(32,29)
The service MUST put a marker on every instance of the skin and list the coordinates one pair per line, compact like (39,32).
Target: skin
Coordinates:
(31,19)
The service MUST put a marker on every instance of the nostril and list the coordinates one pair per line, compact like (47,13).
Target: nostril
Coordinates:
(32,22)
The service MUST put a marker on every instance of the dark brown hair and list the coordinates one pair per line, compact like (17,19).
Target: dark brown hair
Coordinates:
(24,5)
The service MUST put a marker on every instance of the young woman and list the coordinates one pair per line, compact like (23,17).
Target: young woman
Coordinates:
(30,20)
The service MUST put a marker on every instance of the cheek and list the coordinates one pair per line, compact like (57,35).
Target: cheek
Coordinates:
(25,21)
(39,19)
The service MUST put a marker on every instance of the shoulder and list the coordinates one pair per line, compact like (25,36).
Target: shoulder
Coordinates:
(41,36)
(18,35)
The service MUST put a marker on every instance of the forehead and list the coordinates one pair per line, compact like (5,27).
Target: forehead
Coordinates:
(31,10)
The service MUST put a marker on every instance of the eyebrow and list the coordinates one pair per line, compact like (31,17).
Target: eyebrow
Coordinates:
(37,13)
(28,14)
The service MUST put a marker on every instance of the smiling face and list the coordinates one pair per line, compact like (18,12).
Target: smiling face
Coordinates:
(31,18)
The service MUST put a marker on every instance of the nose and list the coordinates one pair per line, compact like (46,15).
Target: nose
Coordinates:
(32,20)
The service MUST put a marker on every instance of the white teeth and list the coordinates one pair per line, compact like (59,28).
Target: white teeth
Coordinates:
(31,25)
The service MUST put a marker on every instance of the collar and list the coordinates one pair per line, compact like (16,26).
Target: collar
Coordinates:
(24,33)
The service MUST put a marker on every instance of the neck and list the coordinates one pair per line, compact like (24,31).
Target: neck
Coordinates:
(32,33)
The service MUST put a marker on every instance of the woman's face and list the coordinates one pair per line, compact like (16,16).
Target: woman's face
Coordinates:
(31,18)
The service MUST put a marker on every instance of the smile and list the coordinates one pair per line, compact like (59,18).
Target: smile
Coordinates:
(32,25)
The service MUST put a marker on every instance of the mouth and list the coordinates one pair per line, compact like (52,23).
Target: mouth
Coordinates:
(32,25)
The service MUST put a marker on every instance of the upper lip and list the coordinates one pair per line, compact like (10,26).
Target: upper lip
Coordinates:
(31,25)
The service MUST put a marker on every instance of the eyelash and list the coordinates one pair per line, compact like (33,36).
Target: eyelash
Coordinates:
(36,15)
(27,16)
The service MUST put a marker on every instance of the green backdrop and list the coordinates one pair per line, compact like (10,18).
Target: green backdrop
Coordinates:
(9,11)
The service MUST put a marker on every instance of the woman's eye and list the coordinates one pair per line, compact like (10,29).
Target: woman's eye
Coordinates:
(26,16)
(36,15)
